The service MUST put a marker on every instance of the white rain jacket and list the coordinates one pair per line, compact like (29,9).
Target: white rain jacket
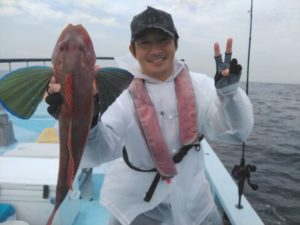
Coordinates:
(224,115)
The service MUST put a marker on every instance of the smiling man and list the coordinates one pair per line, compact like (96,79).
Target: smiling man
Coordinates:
(157,125)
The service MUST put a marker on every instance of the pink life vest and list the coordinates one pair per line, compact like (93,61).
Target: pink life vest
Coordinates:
(150,128)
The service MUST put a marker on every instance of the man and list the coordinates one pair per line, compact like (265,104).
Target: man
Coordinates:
(159,122)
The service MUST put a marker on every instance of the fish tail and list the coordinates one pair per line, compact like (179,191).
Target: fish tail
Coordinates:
(50,220)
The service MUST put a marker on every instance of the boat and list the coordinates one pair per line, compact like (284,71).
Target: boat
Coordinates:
(26,182)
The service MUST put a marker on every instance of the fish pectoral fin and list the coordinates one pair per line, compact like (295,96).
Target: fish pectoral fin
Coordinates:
(111,82)
(23,89)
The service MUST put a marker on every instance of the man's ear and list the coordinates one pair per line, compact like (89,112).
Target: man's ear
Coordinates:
(176,44)
(132,49)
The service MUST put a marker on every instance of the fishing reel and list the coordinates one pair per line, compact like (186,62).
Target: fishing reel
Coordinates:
(241,173)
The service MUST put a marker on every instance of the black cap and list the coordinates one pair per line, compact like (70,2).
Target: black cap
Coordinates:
(153,18)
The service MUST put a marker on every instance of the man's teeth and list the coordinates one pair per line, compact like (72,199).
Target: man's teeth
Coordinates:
(158,59)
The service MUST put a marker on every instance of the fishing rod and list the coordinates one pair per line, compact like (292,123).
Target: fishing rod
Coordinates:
(242,172)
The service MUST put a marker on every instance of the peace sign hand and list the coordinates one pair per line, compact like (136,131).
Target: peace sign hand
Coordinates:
(229,71)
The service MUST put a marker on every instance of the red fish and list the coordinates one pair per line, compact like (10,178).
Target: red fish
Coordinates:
(73,61)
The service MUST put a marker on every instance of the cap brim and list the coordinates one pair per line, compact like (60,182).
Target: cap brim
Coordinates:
(153,26)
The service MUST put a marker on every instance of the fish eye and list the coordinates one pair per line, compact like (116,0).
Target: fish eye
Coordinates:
(81,48)
(62,46)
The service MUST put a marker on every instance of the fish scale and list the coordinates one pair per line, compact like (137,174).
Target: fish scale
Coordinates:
(68,93)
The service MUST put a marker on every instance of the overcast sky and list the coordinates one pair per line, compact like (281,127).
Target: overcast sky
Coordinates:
(30,28)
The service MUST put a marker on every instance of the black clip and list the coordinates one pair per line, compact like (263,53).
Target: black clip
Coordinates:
(46,191)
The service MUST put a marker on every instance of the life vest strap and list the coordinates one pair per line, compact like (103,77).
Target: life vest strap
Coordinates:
(177,158)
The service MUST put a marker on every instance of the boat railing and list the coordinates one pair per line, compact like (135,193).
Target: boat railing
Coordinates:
(9,64)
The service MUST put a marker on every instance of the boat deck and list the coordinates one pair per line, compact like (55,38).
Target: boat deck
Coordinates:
(91,212)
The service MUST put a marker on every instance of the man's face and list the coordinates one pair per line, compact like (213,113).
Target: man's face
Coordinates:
(155,52)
